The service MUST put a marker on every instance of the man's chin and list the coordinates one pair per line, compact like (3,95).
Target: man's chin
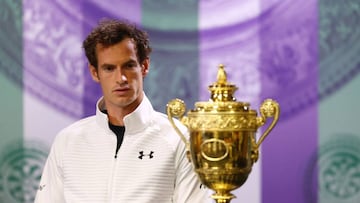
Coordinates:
(124,102)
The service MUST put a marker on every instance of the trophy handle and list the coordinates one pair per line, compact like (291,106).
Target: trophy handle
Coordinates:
(269,108)
(177,107)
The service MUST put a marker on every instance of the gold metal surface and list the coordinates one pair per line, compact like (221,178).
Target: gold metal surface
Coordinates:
(222,144)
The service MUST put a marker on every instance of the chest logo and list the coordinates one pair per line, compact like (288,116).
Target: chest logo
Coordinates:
(142,155)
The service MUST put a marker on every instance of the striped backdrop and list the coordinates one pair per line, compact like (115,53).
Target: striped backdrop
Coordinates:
(304,54)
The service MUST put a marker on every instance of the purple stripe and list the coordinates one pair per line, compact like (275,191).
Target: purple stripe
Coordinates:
(229,40)
(289,70)
(52,54)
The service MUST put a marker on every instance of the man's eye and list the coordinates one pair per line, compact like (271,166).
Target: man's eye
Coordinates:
(130,65)
(108,68)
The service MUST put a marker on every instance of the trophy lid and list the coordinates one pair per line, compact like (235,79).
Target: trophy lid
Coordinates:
(221,96)
(221,90)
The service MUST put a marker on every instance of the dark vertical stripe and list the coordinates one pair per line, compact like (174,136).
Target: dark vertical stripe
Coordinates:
(289,67)
(173,30)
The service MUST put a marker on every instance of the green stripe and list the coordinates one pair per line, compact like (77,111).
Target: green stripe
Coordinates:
(173,30)
(11,74)
(339,82)
(11,120)
(11,101)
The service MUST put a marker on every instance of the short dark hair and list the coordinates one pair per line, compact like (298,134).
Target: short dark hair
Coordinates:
(111,31)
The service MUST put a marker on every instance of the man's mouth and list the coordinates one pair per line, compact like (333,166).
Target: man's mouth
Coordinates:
(121,90)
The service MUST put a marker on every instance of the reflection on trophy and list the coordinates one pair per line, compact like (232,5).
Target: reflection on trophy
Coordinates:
(223,145)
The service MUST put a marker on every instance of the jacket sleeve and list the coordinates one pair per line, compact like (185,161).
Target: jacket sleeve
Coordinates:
(51,184)
(188,187)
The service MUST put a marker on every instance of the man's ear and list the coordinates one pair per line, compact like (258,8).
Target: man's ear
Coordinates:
(145,67)
(94,73)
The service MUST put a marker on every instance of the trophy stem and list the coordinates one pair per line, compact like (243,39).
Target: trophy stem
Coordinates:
(222,198)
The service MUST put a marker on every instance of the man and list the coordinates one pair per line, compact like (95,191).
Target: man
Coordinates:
(127,152)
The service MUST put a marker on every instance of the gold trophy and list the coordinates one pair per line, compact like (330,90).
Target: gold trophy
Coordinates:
(223,145)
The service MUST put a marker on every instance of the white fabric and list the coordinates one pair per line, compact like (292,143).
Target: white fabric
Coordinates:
(81,166)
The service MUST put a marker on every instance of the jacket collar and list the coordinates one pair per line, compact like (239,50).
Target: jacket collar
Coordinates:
(134,122)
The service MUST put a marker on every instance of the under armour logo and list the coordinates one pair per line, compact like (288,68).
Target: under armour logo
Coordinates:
(149,155)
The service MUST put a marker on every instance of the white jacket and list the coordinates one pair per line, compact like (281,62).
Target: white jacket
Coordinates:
(151,166)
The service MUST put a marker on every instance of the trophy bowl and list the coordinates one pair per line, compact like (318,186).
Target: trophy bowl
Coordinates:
(223,145)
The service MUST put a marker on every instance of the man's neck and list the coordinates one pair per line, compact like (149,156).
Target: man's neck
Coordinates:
(116,114)
(116,120)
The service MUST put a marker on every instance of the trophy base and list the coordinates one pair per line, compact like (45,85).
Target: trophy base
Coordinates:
(223,198)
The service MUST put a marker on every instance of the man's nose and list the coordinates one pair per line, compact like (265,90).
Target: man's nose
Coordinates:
(120,76)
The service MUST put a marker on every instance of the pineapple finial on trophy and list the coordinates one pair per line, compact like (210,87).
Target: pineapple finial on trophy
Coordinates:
(221,75)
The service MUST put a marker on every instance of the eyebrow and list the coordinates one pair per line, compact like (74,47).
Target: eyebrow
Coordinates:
(130,61)
(111,65)
(106,65)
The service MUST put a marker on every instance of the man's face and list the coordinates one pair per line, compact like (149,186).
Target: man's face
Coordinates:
(120,75)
